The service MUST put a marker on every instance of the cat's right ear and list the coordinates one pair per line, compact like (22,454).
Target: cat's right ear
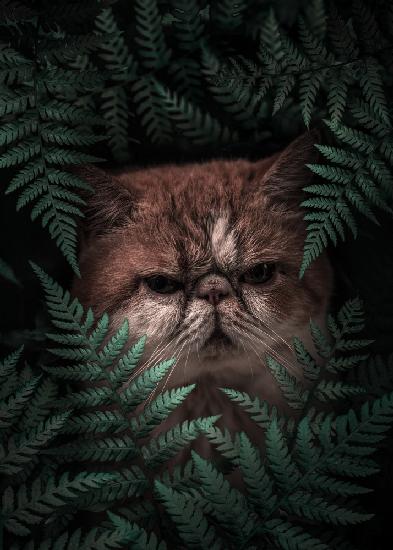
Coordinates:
(108,203)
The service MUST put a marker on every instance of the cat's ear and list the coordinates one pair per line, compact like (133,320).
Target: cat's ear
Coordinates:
(108,204)
(288,174)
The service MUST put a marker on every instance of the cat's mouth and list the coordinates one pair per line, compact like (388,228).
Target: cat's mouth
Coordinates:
(217,342)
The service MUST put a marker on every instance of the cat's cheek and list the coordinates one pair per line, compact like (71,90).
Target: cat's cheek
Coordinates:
(260,304)
(156,318)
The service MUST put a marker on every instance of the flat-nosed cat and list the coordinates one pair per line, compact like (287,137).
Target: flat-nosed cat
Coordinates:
(204,260)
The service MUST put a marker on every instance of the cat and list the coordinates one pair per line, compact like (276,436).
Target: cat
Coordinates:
(204,260)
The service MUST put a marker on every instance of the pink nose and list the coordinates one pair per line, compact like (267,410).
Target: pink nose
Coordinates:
(213,288)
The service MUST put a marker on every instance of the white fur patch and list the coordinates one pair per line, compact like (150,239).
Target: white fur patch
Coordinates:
(223,242)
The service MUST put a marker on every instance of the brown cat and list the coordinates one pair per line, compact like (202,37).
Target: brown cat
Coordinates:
(204,259)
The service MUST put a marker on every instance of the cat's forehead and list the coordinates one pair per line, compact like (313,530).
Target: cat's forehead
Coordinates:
(206,216)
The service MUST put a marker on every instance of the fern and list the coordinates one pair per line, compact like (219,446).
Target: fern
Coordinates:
(121,64)
(307,469)
(197,126)
(130,532)
(151,111)
(193,527)
(28,426)
(104,406)
(188,25)
(153,51)
(240,101)
(208,74)
(37,143)
(359,179)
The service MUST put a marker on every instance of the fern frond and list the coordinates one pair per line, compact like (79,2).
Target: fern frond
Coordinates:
(259,411)
(188,25)
(131,533)
(259,484)
(191,523)
(122,66)
(24,509)
(98,450)
(46,130)
(159,409)
(284,470)
(138,390)
(237,100)
(292,389)
(224,442)
(23,448)
(293,537)
(152,49)
(171,442)
(151,111)
(228,504)
(197,126)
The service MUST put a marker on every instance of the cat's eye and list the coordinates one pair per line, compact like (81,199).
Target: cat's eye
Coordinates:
(259,274)
(162,284)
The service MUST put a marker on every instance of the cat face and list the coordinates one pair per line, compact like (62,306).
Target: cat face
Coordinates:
(204,259)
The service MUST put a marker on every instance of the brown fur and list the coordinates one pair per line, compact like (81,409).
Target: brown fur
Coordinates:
(187,222)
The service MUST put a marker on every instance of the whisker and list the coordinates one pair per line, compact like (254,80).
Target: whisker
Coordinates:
(274,332)
(250,321)
(281,358)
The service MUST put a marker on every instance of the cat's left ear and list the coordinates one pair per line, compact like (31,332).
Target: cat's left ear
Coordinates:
(108,204)
(288,174)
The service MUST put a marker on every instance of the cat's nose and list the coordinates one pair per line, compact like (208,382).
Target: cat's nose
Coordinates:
(213,288)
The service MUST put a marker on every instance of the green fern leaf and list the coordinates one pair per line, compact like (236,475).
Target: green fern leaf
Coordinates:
(22,511)
(152,49)
(188,25)
(98,450)
(11,408)
(285,85)
(258,482)
(320,509)
(284,470)
(259,411)
(293,537)
(338,94)
(311,370)
(151,111)
(197,126)
(372,86)
(159,409)
(23,449)
(114,50)
(236,99)
(39,406)
(96,422)
(91,397)
(132,533)
(310,84)
(229,505)
(126,365)
(292,389)
(330,391)
(191,523)
(317,18)
(144,385)
(223,441)
(171,442)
